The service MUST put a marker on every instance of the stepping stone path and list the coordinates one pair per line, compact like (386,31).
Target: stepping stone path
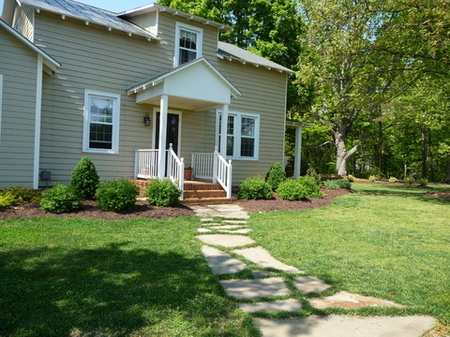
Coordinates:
(231,221)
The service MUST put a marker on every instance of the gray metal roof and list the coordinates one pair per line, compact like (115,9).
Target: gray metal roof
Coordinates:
(87,13)
(232,52)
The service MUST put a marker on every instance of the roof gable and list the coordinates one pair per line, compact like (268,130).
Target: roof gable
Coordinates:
(49,62)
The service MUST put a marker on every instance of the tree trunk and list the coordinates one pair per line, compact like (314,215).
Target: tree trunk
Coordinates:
(423,142)
(341,151)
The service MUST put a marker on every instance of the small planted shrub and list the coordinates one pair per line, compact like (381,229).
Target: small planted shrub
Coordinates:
(311,172)
(117,195)
(162,193)
(275,176)
(22,194)
(311,185)
(292,189)
(337,184)
(373,178)
(85,178)
(350,178)
(423,182)
(393,180)
(60,199)
(7,199)
(255,188)
(410,180)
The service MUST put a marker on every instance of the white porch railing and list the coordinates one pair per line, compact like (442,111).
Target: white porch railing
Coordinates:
(203,164)
(223,172)
(175,169)
(146,166)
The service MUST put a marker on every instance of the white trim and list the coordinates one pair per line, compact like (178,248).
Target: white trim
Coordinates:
(237,134)
(1,106)
(115,123)
(199,45)
(37,125)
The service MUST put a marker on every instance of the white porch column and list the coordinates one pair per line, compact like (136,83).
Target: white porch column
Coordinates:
(223,131)
(298,151)
(164,102)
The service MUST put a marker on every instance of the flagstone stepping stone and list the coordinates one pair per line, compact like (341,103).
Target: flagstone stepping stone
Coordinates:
(226,208)
(289,305)
(346,326)
(263,258)
(251,289)
(347,300)
(260,273)
(310,284)
(227,226)
(221,263)
(203,230)
(206,219)
(235,221)
(239,231)
(225,240)
(211,224)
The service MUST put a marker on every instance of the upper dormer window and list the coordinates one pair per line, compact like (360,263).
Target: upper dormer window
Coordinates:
(188,43)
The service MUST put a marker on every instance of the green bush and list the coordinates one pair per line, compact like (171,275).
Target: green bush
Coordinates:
(423,182)
(255,188)
(162,193)
(117,195)
(393,180)
(373,178)
(311,172)
(22,194)
(60,199)
(311,185)
(85,178)
(337,184)
(410,180)
(275,176)
(350,178)
(7,199)
(292,189)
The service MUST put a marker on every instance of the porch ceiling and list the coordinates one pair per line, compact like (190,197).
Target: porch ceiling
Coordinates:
(195,85)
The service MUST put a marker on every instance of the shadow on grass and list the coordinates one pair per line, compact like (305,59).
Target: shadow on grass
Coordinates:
(107,291)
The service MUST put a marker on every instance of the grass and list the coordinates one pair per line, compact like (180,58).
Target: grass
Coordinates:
(385,241)
(78,277)
(141,277)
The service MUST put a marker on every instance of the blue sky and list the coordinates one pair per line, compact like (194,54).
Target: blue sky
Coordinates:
(112,5)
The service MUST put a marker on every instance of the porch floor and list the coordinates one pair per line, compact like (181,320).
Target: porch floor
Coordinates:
(195,192)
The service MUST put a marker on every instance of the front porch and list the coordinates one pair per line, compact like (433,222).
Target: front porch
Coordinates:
(211,172)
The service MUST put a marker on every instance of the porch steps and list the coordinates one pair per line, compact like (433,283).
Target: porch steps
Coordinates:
(195,192)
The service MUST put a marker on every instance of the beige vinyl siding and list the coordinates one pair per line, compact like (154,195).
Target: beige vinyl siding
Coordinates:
(18,111)
(93,58)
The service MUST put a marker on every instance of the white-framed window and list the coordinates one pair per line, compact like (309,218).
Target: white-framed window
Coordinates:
(242,135)
(188,43)
(101,122)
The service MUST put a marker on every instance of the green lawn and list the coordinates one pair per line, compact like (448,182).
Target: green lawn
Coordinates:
(385,241)
(76,277)
(141,277)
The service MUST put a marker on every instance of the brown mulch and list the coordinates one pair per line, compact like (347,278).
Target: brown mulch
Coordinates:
(144,210)
(440,195)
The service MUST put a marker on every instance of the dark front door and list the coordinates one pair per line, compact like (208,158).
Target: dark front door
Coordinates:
(173,124)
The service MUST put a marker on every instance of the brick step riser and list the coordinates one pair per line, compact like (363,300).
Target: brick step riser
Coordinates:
(205,194)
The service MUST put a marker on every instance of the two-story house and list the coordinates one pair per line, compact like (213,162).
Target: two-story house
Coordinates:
(136,92)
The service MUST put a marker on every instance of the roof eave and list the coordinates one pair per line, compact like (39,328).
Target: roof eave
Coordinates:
(242,61)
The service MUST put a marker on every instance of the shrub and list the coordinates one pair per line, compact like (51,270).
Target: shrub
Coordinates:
(22,194)
(6,199)
(275,176)
(255,188)
(337,184)
(372,178)
(350,178)
(85,178)
(60,199)
(393,180)
(117,195)
(423,182)
(312,186)
(410,180)
(292,189)
(311,172)
(162,193)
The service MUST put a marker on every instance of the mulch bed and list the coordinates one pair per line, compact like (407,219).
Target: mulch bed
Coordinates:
(144,210)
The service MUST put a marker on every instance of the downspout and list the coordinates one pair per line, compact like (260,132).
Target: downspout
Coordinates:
(38,116)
